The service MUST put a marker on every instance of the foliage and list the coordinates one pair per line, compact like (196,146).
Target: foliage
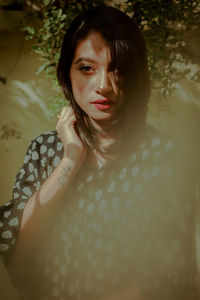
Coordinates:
(165,26)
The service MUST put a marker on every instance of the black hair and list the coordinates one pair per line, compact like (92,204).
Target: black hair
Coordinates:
(128,54)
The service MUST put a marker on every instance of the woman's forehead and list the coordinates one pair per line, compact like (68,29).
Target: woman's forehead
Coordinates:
(93,47)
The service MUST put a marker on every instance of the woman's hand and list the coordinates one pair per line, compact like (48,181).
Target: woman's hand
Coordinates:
(74,149)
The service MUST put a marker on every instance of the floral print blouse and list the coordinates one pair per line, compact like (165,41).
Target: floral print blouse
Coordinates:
(130,222)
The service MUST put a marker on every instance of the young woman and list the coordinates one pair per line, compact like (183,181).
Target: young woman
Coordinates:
(97,212)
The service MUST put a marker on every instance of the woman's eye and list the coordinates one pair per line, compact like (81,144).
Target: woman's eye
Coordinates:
(86,69)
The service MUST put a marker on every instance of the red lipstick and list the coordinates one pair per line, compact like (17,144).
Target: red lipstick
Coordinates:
(103,103)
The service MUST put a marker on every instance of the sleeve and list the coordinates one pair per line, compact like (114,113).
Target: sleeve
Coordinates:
(27,181)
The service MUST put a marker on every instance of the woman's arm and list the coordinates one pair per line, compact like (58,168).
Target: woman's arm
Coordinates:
(42,206)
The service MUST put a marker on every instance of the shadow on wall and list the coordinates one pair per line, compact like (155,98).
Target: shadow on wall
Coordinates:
(24,116)
(27,93)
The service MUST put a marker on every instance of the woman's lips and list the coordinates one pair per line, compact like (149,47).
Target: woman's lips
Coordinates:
(103,104)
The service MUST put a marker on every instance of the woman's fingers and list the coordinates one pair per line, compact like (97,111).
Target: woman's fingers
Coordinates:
(67,114)
(73,146)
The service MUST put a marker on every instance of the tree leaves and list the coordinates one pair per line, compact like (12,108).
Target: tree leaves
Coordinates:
(165,25)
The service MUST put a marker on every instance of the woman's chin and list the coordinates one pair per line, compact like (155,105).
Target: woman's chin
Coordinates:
(103,118)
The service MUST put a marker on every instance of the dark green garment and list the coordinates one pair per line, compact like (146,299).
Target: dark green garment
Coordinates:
(131,222)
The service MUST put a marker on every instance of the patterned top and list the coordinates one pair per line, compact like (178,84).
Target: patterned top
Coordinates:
(130,222)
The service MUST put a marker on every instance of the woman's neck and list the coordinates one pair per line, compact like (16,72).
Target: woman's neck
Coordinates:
(102,157)
(105,129)
(106,138)
(97,159)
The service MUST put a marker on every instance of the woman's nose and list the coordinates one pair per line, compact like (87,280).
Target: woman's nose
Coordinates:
(104,84)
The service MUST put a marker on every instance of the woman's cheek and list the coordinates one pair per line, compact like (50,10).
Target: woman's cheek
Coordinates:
(82,85)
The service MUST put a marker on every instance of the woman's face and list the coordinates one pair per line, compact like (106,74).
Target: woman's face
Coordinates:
(95,87)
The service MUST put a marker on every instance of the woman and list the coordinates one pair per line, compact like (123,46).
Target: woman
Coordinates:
(96,213)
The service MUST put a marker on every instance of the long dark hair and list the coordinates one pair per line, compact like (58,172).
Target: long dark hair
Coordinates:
(127,53)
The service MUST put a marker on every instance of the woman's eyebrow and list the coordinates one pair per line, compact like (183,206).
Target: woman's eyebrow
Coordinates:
(85,59)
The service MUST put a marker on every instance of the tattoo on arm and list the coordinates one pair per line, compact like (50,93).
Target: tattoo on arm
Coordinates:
(63,176)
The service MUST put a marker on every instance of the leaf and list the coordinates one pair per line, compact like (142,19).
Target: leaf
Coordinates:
(64,17)
(46,2)
(46,36)
(59,13)
(29,29)
(42,67)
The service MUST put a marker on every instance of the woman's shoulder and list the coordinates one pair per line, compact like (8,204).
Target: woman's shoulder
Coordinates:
(155,144)
(47,137)
(155,151)
(156,138)
(46,147)
(46,141)
(154,162)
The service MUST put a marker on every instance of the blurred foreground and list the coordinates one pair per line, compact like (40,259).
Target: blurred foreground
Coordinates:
(24,115)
